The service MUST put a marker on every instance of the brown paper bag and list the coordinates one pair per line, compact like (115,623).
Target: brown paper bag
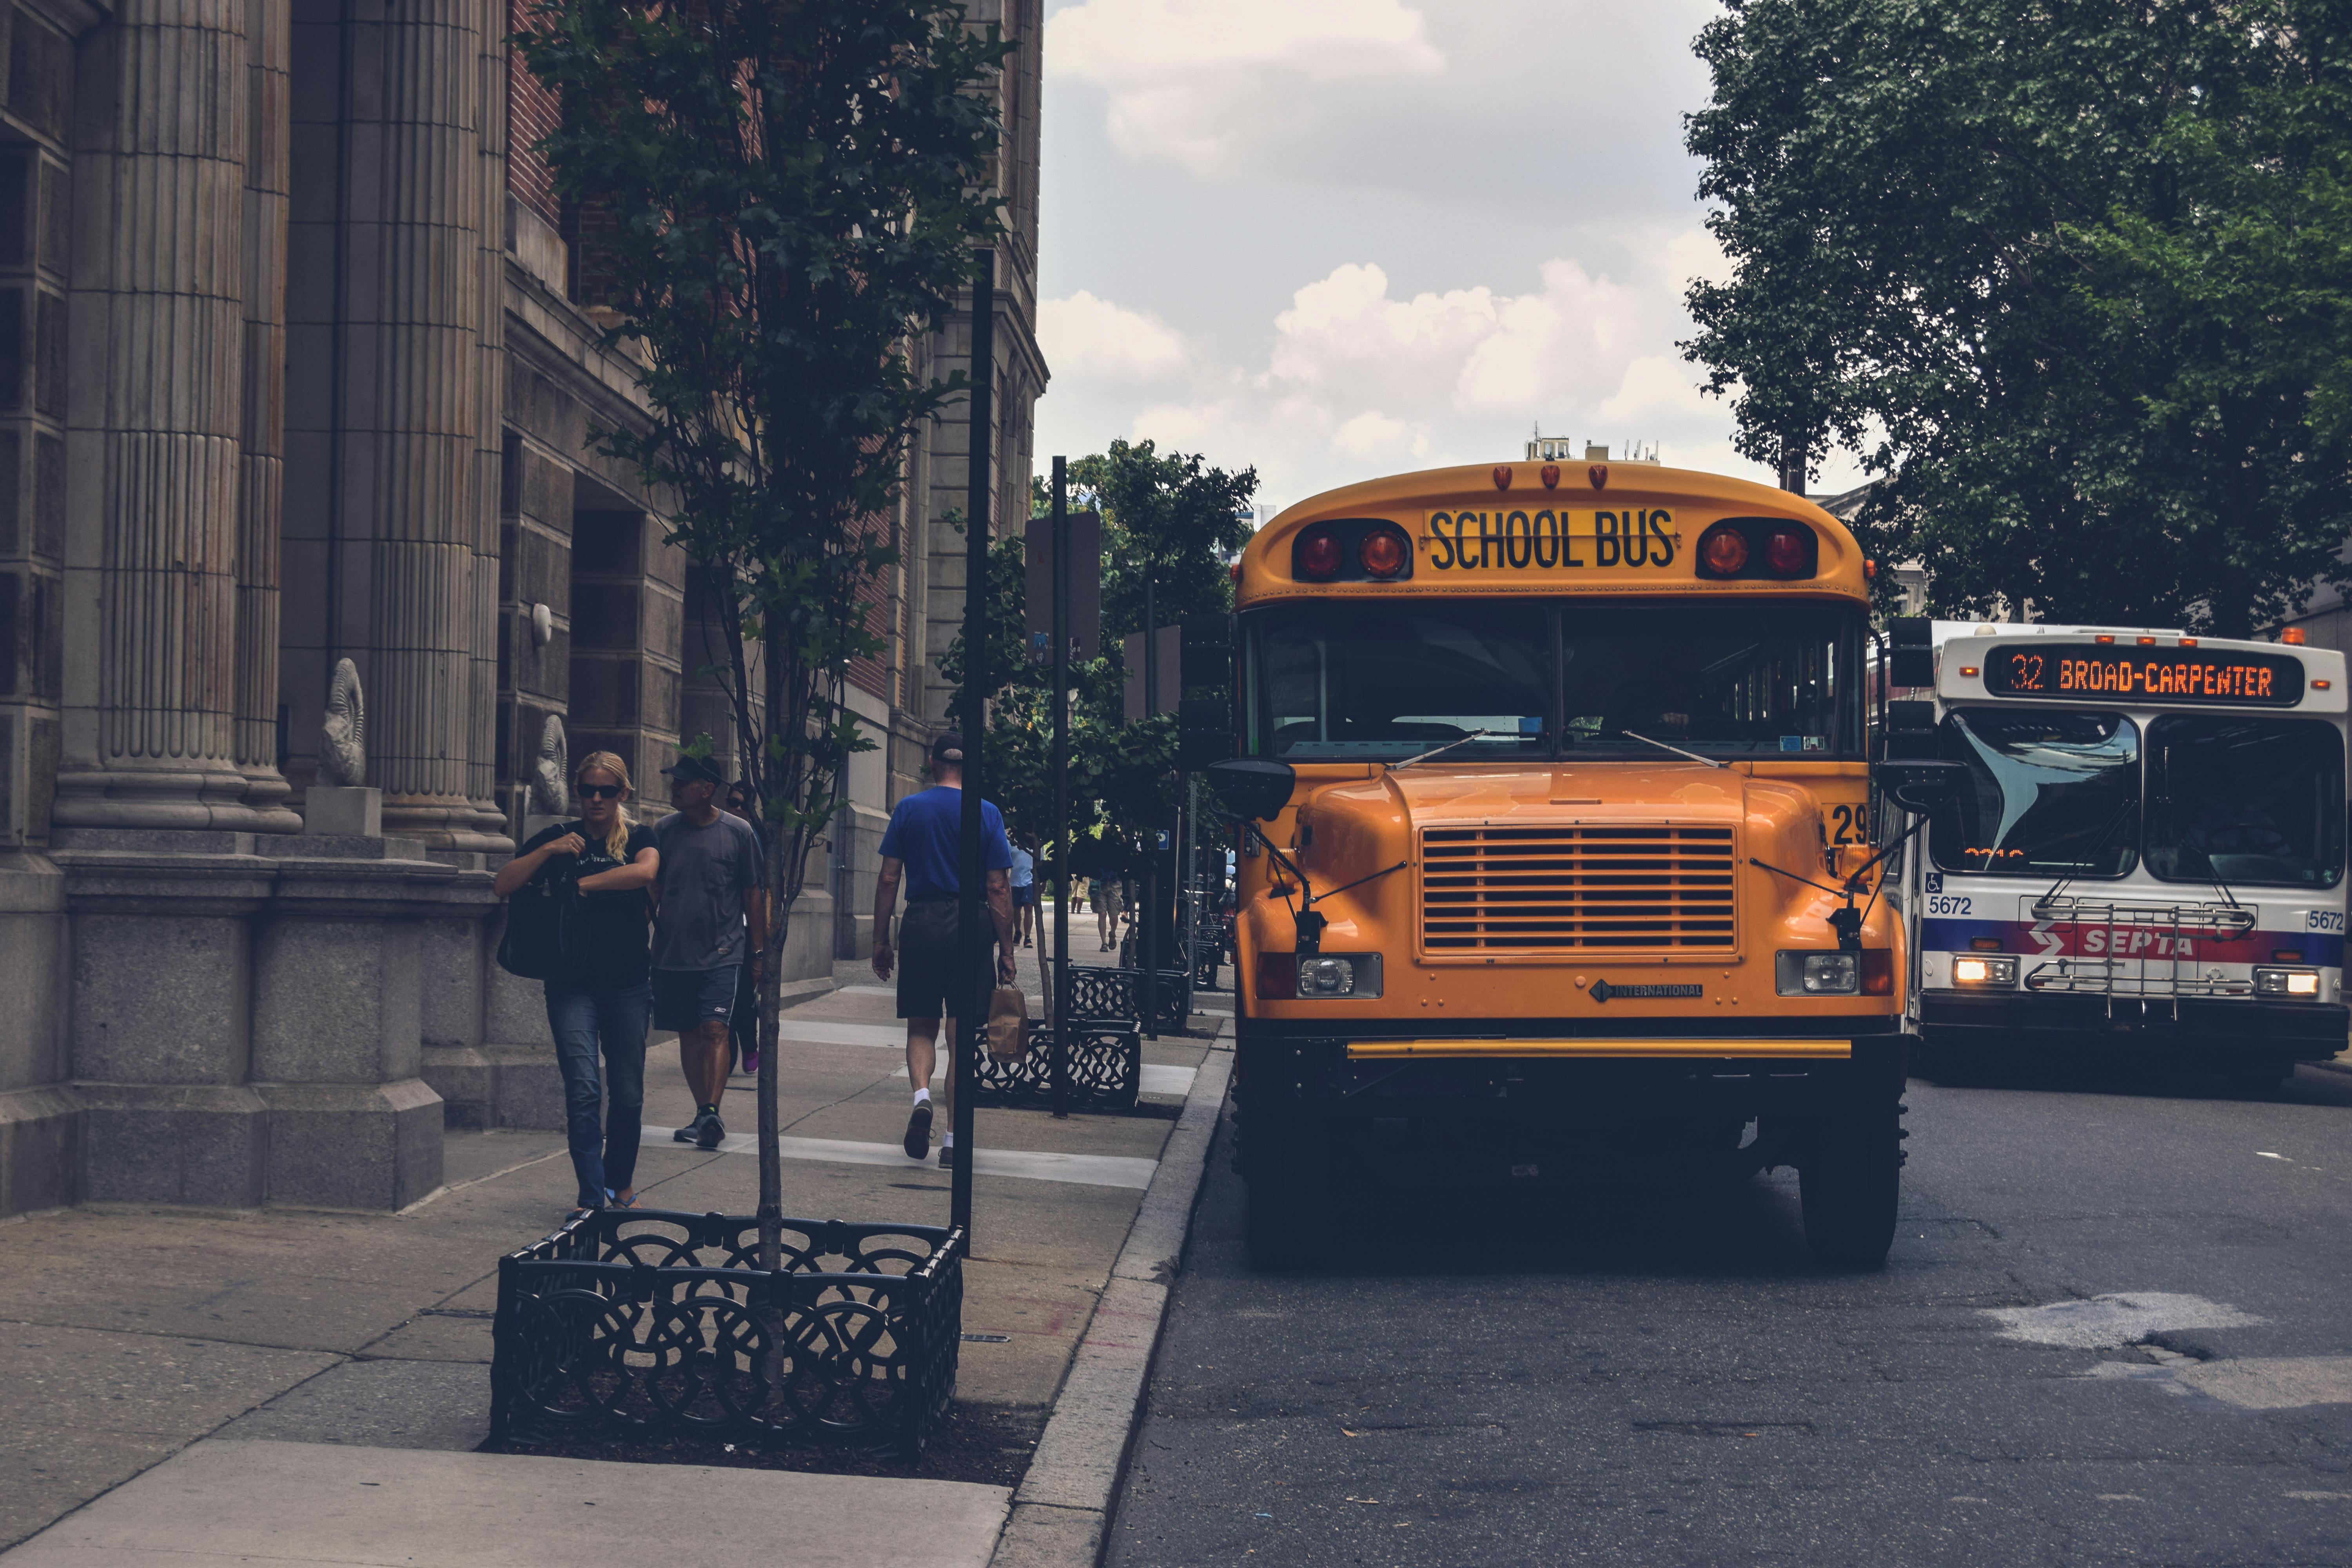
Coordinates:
(1008,1023)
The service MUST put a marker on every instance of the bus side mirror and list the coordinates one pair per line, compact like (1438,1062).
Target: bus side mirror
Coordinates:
(1911,651)
(1918,785)
(1910,734)
(1205,702)
(1252,787)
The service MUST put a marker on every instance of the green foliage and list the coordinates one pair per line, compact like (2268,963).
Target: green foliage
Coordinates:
(788,189)
(1186,519)
(2071,277)
(1173,516)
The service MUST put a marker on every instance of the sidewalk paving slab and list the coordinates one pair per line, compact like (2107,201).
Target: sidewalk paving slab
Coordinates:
(225,1501)
(365,1332)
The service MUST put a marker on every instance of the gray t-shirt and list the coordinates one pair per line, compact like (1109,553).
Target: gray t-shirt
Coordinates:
(705,871)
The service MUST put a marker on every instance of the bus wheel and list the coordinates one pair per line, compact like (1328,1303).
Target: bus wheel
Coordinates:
(1286,1164)
(1849,1178)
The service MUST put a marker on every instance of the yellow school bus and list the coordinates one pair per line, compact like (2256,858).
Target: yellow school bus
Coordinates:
(1556,841)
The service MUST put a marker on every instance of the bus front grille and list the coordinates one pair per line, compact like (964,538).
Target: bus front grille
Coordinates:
(1577,890)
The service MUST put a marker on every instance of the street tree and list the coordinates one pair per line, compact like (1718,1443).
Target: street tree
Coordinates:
(1172,514)
(790,192)
(2069,278)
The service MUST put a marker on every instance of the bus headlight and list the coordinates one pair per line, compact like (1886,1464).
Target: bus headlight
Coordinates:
(2302,983)
(1818,973)
(1979,969)
(1355,974)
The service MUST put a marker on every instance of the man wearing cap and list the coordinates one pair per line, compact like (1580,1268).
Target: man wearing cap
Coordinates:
(924,844)
(709,921)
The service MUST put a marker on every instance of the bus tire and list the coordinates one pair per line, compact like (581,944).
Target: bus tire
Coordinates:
(1286,1165)
(1849,1180)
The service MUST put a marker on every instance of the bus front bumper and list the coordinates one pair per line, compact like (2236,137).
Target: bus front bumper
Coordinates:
(1572,1073)
(2309,1031)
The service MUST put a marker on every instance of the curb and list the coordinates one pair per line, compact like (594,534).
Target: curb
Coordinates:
(1062,1510)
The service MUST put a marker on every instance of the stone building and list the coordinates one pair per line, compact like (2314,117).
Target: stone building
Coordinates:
(297,366)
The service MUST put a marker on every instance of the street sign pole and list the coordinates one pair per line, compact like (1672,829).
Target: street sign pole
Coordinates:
(972,871)
(1149,986)
(1060,530)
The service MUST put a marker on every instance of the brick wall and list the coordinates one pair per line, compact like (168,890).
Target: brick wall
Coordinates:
(533,111)
(874,674)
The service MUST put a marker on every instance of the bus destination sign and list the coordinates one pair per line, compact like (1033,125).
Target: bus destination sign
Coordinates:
(2149,674)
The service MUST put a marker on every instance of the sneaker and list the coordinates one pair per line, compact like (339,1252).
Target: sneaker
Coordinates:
(751,1064)
(947,1157)
(918,1141)
(707,1134)
(686,1134)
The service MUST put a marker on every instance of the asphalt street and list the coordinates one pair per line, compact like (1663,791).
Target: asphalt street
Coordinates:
(2116,1327)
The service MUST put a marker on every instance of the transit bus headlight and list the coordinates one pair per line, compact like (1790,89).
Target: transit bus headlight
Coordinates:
(1324,974)
(2302,983)
(1977,969)
(1818,973)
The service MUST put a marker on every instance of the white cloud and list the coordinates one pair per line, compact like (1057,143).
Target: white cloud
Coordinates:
(1091,339)
(1358,379)
(1201,82)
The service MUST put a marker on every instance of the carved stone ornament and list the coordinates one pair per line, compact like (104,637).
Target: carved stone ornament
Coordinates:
(551,771)
(342,756)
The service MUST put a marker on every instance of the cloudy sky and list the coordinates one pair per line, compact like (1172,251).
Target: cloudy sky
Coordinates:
(1338,239)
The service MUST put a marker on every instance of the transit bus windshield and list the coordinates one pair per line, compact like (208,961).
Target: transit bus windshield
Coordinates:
(1526,679)
(2046,794)
(2243,800)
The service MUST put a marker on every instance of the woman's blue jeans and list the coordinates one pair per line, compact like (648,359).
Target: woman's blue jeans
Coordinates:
(582,1022)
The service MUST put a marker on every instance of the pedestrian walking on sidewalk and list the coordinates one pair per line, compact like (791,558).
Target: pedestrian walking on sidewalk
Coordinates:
(743,1025)
(924,844)
(603,1005)
(710,923)
(1103,893)
(1025,891)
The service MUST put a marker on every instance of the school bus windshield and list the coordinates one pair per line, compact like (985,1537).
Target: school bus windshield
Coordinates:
(1524,679)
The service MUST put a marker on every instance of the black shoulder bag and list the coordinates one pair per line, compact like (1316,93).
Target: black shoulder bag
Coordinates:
(546,927)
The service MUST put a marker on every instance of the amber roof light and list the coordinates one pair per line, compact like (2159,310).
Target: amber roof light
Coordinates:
(1382,552)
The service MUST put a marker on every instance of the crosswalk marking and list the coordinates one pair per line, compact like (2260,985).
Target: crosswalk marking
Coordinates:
(1032,1164)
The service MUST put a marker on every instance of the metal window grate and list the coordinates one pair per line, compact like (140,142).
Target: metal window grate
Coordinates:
(1576,889)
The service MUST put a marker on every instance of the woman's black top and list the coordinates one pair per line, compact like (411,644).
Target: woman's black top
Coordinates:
(616,956)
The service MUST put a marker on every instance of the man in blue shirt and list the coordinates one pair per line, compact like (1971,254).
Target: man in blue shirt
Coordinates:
(924,844)
(1024,889)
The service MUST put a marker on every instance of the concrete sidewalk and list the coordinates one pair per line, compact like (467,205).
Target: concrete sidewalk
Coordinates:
(316,1359)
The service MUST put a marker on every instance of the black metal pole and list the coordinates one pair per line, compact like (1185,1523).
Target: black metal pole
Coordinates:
(1151,934)
(1060,530)
(972,872)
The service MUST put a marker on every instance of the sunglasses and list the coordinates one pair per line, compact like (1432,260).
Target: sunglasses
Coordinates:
(600,792)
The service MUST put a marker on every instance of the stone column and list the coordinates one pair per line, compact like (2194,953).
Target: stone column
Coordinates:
(155,409)
(481,781)
(261,502)
(410,502)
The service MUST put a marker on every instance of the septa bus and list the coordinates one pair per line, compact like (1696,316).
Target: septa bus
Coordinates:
(2143,847)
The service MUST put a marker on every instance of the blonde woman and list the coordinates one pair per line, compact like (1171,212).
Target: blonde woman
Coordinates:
(605,1006)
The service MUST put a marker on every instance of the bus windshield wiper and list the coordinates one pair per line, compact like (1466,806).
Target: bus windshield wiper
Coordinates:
(1473,735)
(2098,846)
(1694,756)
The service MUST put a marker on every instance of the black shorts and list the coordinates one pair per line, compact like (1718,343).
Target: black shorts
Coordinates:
(686,999)
(927,959)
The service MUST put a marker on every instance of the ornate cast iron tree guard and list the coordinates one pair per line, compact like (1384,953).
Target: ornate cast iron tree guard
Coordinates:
(1105,1065)
(1104,994)
(646,1321)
